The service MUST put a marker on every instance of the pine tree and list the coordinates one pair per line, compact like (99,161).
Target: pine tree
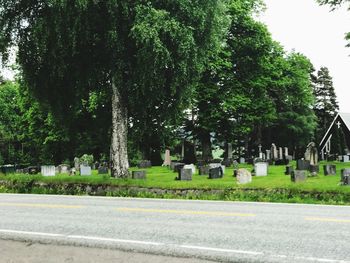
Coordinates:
(326,105)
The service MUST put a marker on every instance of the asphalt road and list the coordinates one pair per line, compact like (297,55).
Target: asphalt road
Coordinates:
(217,231)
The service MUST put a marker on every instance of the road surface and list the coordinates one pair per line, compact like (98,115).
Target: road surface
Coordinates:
(196,230)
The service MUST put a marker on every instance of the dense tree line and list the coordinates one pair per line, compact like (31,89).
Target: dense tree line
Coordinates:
(204,72)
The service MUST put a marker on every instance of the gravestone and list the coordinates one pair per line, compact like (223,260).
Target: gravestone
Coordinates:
(217,165)
(7,169)
(286,153)
(76,163)
(144,164)
(274,153)
(243,176)
(190,166)
(280,153)
(63,169)
(346,158)
(311,153)
(85,170)
(229,151)
(167,158)
(298,176)
(48,170)
(139,175)
(289,158)
(261,168)
(303,165)
(329,169)
(268,154)
(203,170)
(178,167)
(289,170)
(314,169)
(184,175)
(215,173)
(33,170)
(172,164)
(103,170)
(345,176)
(73,172)
(242,160)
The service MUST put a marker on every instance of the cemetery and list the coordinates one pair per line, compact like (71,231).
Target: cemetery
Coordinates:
(278,178)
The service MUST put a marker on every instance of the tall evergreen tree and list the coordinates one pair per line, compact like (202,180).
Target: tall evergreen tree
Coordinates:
(326,105)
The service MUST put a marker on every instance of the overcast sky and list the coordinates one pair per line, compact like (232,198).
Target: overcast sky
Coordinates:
(316,32)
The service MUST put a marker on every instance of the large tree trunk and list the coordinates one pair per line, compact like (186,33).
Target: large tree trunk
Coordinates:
(119,150)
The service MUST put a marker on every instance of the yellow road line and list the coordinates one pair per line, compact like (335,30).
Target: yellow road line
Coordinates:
(327,219)
(40,205)
(183,212)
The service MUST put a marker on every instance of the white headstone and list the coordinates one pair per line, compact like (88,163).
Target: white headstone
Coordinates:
(261,169)
(85,170)
(243,176)
(346,159)
(48,170)
(286,153)
(190,166)
(242,160)
(280,155)
(268,155)
(167,159)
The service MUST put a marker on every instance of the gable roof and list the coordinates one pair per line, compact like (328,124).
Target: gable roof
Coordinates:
(342,117)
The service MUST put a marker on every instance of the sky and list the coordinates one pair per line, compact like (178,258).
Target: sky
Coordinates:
(317,33)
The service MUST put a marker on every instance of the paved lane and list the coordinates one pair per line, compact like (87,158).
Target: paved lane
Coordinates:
(221,231)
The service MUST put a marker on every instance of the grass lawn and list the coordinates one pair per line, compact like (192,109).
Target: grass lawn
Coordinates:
(162,177)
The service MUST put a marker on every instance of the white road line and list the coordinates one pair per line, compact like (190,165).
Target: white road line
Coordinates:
(30,233)
(322,260)
(116,240)
(223,250)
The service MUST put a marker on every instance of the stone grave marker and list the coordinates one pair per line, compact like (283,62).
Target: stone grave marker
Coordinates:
(345,176)
(48,170)
(329,169)
(63,169)
(76,163)
(274,153)
(85,170)
(178,167)
(268,154)
(167,158)
(261,169)
(314,170)
(298,176)
(289,170)
(303,165)
(215,173)
(190,166)
(139,175)
(280,153)
(102,169)
(144,164)
(203,170)
(242,160)
(346,158)
(217,165)
(243,176)
(311,153)
(184,175)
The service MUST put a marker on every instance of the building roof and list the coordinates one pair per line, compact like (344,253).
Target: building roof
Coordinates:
(344,119)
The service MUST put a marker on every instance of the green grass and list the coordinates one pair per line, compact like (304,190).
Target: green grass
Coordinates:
(162,177)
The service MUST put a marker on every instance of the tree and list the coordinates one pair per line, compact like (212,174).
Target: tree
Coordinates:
(132,50)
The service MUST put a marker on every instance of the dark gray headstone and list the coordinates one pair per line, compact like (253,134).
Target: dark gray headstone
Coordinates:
(139,175)
(289,170)
(178,167)
(144,164)
(215,173)
(185,175)
(8,169)
(33,170)
(203,170)
(345,176)
(298,176)
(314,169)
(303,165)
(329,169)
(103,170)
